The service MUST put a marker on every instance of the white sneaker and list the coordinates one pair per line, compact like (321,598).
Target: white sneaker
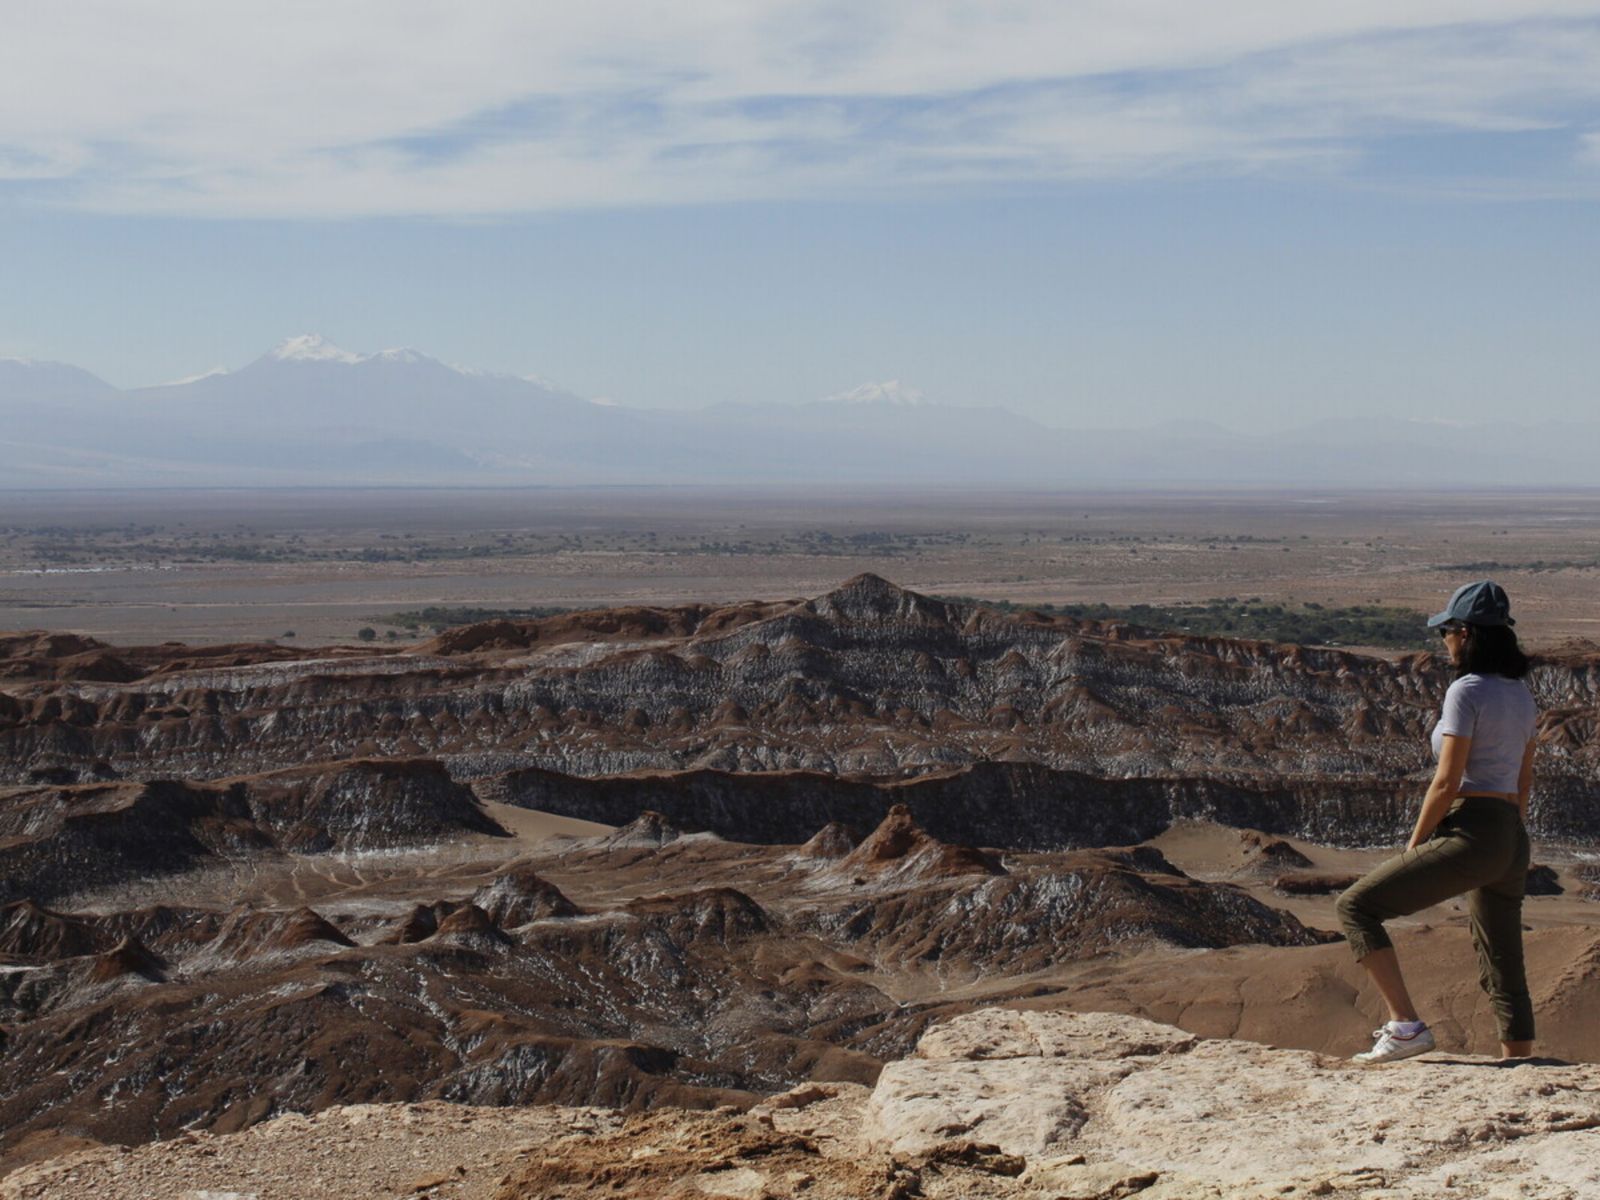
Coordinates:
(1390,1045)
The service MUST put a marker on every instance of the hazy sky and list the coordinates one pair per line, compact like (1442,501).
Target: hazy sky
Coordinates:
(1093,213)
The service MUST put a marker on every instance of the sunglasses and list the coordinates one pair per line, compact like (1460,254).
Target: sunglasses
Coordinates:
(1446,630)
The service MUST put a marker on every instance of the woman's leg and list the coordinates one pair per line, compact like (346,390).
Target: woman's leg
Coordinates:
(1384,967)
(1411,881)
(1496,911)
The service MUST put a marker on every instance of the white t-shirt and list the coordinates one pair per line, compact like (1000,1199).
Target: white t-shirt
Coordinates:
(1499,715)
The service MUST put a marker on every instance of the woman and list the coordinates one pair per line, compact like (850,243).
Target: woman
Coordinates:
(1470,834)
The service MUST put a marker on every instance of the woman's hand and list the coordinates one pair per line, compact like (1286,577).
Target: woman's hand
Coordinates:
(1443,790)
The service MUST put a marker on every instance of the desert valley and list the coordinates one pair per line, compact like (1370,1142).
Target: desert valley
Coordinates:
(667,860)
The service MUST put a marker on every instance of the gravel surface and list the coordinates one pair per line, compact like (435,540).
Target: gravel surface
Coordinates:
(441,1151)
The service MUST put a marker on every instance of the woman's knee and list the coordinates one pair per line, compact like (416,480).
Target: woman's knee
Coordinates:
(1350,908)
(1363,928)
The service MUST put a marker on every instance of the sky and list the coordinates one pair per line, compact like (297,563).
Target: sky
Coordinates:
(1113,213)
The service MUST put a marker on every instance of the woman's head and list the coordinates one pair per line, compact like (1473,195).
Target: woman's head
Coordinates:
(1484,649)
(1476,627)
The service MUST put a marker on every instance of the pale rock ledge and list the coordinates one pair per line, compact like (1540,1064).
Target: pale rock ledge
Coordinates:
(1101,1105)
(997,1104)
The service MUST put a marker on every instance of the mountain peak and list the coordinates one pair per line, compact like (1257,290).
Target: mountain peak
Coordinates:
(314,348)
(36,378)
(869,599)
(311,347)
(890,391)
(400,354)
(214,373)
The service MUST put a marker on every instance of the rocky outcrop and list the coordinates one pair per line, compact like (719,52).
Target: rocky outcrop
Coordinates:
(1266,855)
(1087,1100)
(469,926)
(675,999)
(40,654)
(421,923)
(997,1103)
(626,623)
(28,931)
(648,831)
(718,915)
(900,852)
(62,656)
(248,934)
(365,804)
(520,895)
(129,957)
(1069,906)
(35,936)
(1543,881)
(833,840)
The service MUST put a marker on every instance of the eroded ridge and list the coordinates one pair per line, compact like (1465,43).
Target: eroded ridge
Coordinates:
(867,680)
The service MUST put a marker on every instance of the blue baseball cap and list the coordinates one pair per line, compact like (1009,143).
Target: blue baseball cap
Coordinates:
(1481,603)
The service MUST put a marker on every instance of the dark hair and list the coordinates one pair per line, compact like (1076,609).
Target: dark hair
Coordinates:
(1492,650)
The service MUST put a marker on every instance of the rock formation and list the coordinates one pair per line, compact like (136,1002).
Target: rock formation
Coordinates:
(1268,855)
(833,840)
(1088,1100)
(673,984)
(127,957)
(519,895)
(898,851)
(868,680)
(647,831)
(55,840)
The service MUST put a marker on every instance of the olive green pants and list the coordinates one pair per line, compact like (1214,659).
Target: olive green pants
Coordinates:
(1480,849)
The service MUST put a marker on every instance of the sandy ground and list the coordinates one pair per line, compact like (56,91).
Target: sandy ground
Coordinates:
(1216,853)
(532,827)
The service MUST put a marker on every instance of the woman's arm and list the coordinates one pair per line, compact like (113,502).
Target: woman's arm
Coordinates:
(1525,779)
(1445,787)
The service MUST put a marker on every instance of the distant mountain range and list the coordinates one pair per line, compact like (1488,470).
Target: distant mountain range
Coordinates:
(309,413)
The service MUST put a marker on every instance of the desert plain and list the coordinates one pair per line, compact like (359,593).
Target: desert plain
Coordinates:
(254,564)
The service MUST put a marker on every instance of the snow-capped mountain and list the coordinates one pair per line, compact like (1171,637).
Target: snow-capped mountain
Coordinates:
(314,348)
(311,412)
(890,391)
(311,347)
(308,387)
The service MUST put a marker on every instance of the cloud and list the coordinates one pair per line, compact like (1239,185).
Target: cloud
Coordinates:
(383,107)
